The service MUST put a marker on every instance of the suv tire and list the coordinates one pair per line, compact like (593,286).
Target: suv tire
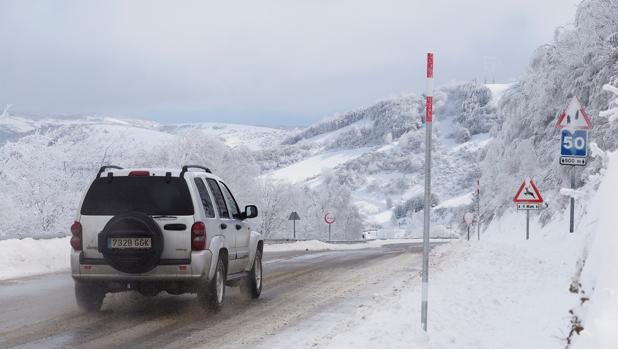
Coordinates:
(211,294)
(252,284)
(132,224)
(89,296)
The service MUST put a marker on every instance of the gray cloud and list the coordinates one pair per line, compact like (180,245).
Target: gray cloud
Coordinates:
(270,62)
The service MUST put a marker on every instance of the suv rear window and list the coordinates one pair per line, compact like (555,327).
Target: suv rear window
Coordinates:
(150,195)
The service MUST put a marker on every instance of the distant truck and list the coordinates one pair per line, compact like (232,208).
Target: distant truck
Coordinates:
(370,235)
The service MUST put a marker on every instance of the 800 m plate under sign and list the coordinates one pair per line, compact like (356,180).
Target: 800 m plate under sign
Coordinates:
(129,243)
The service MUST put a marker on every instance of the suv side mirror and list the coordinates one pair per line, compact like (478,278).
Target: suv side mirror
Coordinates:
(251,211)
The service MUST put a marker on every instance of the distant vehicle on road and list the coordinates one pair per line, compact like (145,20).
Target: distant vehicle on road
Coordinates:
(153,230)
(370,235)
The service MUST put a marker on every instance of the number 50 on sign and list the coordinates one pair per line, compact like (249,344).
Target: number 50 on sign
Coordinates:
(573,147)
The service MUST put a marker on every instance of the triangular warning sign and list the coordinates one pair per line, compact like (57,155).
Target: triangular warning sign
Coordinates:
(574,117)
(528,192)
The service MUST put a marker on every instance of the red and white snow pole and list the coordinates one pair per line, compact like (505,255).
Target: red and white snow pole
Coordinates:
(427,209)
(478,209)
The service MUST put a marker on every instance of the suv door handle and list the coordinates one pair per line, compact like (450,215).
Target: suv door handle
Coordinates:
(238,226)
(223,225)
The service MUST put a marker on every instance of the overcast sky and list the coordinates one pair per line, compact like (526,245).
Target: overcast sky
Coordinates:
(287,62)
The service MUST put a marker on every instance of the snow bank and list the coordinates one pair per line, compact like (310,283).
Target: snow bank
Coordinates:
(500,292)
(27,257)
(315,245)
(599,279)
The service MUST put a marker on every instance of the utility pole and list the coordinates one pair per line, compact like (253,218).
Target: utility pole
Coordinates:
(427,216)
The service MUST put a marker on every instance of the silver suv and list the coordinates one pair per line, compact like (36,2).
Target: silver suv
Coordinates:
(154,230)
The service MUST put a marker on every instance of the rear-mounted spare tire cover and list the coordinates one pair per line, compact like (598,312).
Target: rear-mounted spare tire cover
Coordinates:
(132,225)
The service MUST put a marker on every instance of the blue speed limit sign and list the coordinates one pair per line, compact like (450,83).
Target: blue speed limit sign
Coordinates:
(573,147)
(574,143)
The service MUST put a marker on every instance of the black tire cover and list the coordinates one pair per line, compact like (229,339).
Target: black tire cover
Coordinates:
(132,225)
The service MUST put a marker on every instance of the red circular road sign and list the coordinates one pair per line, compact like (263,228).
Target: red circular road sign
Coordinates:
(329,218)
(469,218)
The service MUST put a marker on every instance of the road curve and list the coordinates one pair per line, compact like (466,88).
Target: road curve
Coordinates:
(40,312)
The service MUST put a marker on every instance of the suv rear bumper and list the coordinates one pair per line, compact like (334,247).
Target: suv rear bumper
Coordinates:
(87,269)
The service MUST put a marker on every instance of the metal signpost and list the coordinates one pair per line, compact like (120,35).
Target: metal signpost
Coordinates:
(428,120)
(574,124)
(528,198)
(469,219)
(329,219)
(294,217)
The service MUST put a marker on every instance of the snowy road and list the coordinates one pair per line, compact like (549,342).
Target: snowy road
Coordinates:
(299,287)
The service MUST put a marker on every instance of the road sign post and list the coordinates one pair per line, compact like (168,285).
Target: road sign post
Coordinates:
(527,224)
(528,198)
(572,216)
(294,217)
(574,124)
(469,219)
(427,208)
(329,219)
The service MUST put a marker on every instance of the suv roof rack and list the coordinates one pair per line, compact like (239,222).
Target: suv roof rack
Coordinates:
(186,168)
(103,168)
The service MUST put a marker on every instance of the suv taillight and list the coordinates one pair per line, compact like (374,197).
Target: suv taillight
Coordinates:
(139,173)
(76,239)
(198,236)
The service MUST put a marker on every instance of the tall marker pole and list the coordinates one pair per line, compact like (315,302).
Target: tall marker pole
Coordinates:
(478,209)
(428,120)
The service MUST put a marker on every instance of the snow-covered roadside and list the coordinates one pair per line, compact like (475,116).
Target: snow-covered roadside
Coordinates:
(27,257)
(500,292)
(316,245)
(597,307)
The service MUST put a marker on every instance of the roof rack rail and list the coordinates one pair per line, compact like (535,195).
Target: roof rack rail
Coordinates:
(103,168)
(186,168)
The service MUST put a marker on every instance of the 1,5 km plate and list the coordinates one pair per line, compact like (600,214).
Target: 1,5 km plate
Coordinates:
(129,243)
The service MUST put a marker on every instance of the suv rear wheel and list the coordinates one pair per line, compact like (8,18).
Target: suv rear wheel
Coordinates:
(211,294)
(252,285)
(89,296)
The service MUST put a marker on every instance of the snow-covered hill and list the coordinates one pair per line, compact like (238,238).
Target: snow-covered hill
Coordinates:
(47,163)
(371,157)
(377,152)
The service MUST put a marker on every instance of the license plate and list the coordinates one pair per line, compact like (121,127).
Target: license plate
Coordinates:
(129,243)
